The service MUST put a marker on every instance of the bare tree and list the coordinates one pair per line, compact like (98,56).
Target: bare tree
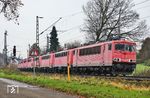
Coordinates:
(112,17)
(72,45)
(10,8)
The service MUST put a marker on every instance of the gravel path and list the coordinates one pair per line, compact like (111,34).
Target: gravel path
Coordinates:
(28,91)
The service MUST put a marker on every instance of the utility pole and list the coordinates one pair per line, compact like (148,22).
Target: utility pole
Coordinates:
(37,42)
(51,25)
(29,50)
(47,43)
(5,48)
(119,28)
(37,30)
(29,46)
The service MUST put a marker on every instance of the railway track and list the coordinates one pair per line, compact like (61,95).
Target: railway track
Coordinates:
(137,78)
(130,78)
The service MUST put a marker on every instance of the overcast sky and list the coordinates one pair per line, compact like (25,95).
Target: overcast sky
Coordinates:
(72,18)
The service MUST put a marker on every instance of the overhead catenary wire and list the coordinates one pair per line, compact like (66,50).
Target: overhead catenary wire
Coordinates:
(71,15)
(142,7)
(64,31)
(145,1)
(74,14)
(141,2)
(78,36)
(145,17)
(51,25)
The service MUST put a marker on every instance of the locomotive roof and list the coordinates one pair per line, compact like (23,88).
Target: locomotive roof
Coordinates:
(125,41)
(101,43)
(92,45)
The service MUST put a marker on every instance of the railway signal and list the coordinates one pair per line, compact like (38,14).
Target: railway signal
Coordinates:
(5,48)
(14,51)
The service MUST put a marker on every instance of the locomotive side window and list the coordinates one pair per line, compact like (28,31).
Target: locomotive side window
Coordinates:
(81,52)
(45,57)
(36,58)
(73,52)
(24,61)
(109,46)
(29,60)
(97,50)
(90,51)
(61,54)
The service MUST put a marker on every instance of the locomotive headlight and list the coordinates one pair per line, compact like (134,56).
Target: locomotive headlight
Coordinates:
(132,60)
(117,59)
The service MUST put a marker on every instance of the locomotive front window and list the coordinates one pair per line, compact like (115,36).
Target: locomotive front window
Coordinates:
(120,47)
(130,48)
(125,47)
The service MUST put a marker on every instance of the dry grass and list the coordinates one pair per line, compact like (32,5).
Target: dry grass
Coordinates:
(130,87)
(117,82)
(89,87)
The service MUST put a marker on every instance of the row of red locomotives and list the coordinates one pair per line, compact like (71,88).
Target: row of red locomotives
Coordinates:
(118,56)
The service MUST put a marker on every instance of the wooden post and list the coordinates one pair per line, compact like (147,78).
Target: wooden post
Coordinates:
(68,66)
(68,71)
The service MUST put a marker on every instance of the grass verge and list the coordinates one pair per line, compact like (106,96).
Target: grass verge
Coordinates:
(87,87)
(142,70)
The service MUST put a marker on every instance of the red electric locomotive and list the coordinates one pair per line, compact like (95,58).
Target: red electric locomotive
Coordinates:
(118,56)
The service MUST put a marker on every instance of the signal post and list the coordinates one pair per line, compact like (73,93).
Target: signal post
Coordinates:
(68,67)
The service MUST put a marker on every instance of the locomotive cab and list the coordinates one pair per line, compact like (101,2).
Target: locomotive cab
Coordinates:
(124,56)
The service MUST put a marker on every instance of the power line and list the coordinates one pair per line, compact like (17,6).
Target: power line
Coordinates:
(74,14)
(141,2)
(143,7)
(43,40)
(71,15)
(64,31)
(145,17)
(51,25)
(78,36)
